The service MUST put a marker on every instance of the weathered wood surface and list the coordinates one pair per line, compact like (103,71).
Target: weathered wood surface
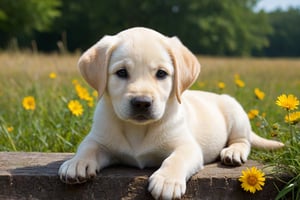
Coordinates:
(34,176)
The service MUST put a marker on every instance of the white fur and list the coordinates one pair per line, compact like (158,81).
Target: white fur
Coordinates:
(183,130)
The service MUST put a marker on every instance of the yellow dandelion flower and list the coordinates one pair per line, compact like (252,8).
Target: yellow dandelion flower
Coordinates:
(91,102)
(259,94)
(288,102)
(52,75)
(252,180)
(75,107)
(10,129)
(78,87)
(82,92)
(239,83)
(221,85)
(292,118)
(29,103)
(253,113)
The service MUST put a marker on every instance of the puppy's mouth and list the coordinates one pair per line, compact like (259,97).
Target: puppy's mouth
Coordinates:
(141,118)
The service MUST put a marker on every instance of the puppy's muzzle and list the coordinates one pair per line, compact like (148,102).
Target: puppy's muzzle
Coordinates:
(141,108)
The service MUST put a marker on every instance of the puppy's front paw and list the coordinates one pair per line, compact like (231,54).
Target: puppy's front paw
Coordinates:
(77,170)
(166,186)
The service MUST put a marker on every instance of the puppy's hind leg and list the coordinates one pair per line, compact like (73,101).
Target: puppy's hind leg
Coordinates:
(239,128)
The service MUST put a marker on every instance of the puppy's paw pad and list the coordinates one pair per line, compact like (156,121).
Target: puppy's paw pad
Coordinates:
(166,187)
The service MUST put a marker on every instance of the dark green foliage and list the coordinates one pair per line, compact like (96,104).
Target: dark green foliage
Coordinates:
(285,40)
(213,27)
(19,18)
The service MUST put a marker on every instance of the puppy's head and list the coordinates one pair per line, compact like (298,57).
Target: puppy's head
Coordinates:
(139,70)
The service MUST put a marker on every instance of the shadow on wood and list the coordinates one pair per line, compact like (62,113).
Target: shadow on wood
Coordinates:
(34,176)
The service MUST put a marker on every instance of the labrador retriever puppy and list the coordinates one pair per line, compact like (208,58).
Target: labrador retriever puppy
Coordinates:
(146,117)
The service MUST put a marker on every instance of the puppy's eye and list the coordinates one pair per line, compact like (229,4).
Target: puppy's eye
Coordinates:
(122,73)
(161,74)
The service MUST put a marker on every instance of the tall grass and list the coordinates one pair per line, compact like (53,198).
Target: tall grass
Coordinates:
(274,77)
(51,127)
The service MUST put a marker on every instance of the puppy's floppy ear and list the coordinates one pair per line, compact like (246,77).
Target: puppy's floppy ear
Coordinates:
(187,67)
(94,62)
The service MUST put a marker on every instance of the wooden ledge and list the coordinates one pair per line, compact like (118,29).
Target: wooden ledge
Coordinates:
(34,176)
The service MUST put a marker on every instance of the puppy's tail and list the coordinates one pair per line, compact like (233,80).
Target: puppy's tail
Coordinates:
(262,143)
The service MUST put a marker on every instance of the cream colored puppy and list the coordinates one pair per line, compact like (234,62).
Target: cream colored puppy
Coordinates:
(145,117)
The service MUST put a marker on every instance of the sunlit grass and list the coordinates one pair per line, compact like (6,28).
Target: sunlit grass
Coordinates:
(55,126)
(48,78)
(272,77)
(50,126)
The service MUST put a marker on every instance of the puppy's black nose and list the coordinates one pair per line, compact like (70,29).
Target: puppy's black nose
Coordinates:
(142,102)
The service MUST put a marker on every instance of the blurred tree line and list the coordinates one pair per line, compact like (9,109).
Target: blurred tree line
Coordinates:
(212,27)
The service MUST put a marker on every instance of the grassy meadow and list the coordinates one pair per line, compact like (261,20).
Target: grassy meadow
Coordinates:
(51,80)
(46,106)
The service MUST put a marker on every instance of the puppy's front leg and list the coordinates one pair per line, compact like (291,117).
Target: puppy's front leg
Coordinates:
(169,181)
(89,159)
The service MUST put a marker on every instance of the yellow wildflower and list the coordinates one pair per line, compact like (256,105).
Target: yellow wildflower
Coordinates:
(253,113)
(82,92)
(259,94)
(221,85)
(239,83)
(293,118)
(75,107)
(252,180)
(52,75)
(10,129)
(29,103)
(91,102)
(288,102)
